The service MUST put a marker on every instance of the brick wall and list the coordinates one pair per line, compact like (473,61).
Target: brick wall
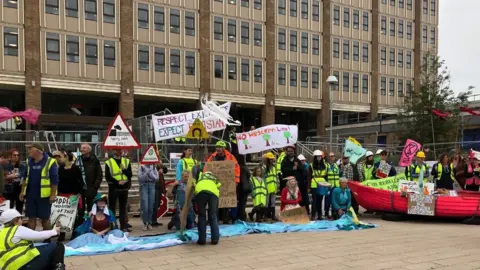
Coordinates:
(33,94)
(126,99)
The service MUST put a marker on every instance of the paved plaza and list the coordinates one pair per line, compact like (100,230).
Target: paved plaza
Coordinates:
(394,245)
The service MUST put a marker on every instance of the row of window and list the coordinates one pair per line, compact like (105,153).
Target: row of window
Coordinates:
(346,50)
(401,3)
(218,30)
(232,65)
(397,27)
(294,72)
(400,56)
(425,34)
(304,5)
(346,18)
(399,85)
(143,20)
(73,49)
(282,41)
(257,4)
(345,82)
(91,12)
(159,60)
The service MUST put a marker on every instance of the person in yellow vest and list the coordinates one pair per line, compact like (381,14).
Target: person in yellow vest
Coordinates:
(180,140)
(40,186)
(366,171)
(280,159)
(271,181)
(413,171)
(333,178)
(444,173)
(17,251)
(186,162)
(206,196)
(259,195)
(317,174)
(118,173)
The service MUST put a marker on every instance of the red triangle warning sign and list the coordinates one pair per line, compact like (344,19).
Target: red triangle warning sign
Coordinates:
(119,135)
(150,156)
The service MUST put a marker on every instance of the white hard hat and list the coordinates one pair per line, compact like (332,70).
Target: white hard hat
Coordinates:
(317,153)
(379,151)
(9,215)
(369,153)
(301,157)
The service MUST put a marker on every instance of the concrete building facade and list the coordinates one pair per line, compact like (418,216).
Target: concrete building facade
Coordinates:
(267,56)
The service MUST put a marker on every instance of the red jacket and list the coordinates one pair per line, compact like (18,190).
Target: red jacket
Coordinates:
(228,156)
(286,201)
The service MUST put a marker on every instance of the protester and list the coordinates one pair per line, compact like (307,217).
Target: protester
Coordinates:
(305,183)
(291,166)
(118,173)
(147,178)
(17,248)
(220,155)
(333,177)
(186,162)
(101,220)
(346,168)
(278,164)
(259,195)
(413,171)
(341,199)
(244,188)
(179,191)
(160,190)
(207,194)
(443,173)
(70,183)
(383,159)
(366,170)
(291,195)
(472,172)
(15,171)
(270,177)
(92,174)
(4,160)
(317,172)
(40,187)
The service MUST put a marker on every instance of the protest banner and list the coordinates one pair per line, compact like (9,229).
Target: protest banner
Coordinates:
(389,183)
(267,137)
(412,187)
(475,154)
(419,204)
(354,141)
(189,192)
(409,151)
(353,151)
(64,212)
(225,173)
(176,125)
(296,215)
(383,169)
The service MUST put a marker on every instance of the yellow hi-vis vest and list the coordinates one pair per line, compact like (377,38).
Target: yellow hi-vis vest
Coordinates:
(14,256)
(188,163)
(207,182)
(115,170)
(368,172)
(270,178)
(279,161)
(180,139)
(415,167)
(317,177)
(45,188)
(440,170)
(259,192)
(333,176)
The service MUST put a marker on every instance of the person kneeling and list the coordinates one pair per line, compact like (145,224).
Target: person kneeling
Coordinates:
(341,199)
(259,195)
(17,249)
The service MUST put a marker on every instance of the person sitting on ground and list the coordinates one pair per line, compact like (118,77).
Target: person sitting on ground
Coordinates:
(341,199)
(101,220)
(179,189)
(259,195)
(17,249)
(291,195)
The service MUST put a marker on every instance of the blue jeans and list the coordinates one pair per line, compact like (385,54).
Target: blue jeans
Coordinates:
(147,201)
(328,202)
(203,199)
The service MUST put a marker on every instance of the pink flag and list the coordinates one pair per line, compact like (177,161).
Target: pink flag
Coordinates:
(30,115)
(411,148)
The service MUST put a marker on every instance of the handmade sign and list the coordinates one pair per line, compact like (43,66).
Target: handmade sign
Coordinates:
(295,216)
(119,135)
(174,159)
(353,151)
(267,137)
(189,192)
(475,154)
(383,169)
(354,141)
(176,125)
(409,151)
(389,183)
(412,187)
(419,204)
(63,213)
(197,130)
(225,173)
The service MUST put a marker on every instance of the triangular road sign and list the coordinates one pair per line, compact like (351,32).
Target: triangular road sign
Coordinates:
(197,130)
(150,156)
(119,135)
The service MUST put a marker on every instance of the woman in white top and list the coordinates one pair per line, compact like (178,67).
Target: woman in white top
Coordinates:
(17,250)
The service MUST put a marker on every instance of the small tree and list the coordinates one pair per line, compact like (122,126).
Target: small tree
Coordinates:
(245,142)
(416,118)
(266,137)
(287,135)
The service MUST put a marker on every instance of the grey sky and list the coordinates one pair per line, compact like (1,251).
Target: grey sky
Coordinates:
(459,40)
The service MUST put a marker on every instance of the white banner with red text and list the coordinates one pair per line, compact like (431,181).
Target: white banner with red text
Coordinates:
(265,138)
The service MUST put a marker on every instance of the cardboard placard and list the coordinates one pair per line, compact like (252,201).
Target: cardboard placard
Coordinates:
(64,212)
(412,187)
(383,170)
(225,173)
(295,216)
(189,192)
(419,204)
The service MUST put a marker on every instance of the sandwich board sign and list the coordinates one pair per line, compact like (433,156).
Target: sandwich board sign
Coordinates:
(119,135)
(150,156)
(197,130)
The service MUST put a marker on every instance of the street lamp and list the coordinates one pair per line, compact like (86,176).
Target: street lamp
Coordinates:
(331,80)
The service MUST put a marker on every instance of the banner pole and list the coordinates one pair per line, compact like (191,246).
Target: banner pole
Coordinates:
(433,138)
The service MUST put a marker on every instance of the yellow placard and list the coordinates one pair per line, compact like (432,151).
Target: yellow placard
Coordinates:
(354,141)
(197,130)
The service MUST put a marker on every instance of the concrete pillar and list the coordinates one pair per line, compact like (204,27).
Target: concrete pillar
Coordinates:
(375,78)
(33,91)
(417,52)
(205,53)
(324,119)
(126,99)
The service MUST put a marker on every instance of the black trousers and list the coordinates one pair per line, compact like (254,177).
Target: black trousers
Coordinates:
(156,204)
(242,203)
(15,197)
(122,196)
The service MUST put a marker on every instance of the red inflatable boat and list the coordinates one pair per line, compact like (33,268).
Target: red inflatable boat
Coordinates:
(466,205)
